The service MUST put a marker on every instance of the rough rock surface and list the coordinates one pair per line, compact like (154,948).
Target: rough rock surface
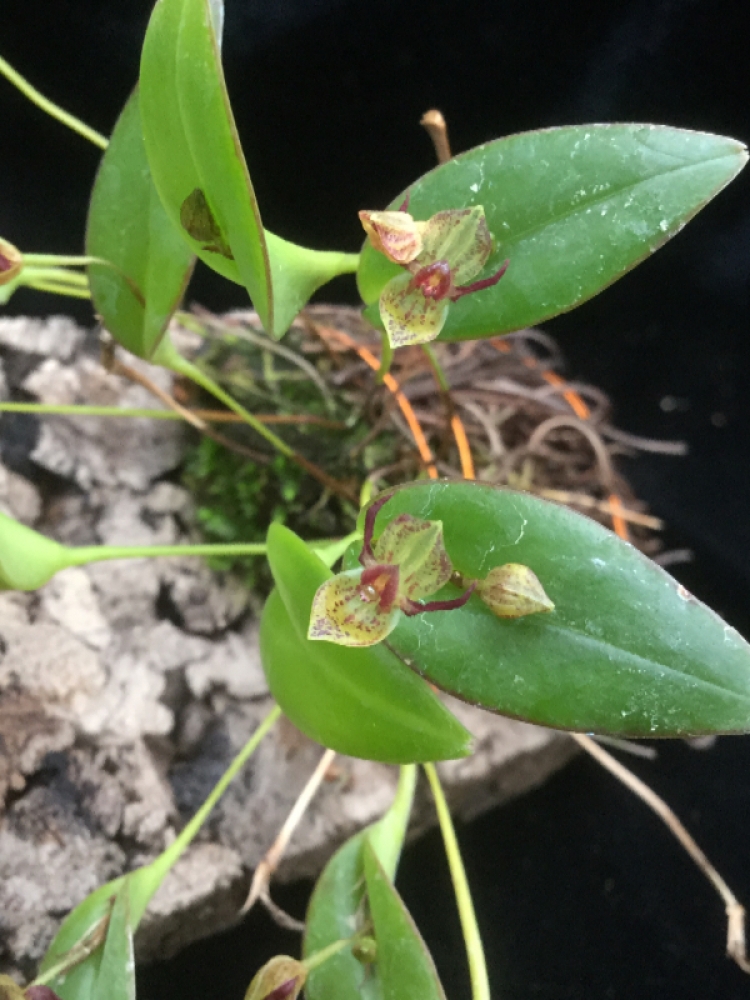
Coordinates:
(126,687)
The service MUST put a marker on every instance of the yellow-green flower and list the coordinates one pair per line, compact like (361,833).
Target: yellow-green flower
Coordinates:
(408,562)
(440,256)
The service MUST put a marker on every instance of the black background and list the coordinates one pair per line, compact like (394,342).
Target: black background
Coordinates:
(579,890)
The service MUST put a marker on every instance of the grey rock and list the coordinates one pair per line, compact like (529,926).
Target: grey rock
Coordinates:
(55,337)
(18,497)
(126,687)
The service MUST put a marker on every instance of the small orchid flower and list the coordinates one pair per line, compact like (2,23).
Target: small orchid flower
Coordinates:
(440,256)
(513,591)
(408,562)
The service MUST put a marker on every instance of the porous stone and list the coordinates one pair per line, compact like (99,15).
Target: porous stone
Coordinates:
(126,687)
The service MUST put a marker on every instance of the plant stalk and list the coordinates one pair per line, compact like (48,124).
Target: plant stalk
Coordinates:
(49,107)
(480,986)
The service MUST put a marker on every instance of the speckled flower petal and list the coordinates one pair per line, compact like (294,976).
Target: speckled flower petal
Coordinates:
(409,317)
(461,237)
(512,591)
(346,612)
(417,548)
(394,234)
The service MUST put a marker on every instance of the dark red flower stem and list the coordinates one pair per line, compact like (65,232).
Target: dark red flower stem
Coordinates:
(367,556)
(411,608)
(477,286)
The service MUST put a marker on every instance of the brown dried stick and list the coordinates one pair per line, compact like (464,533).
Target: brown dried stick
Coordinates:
(260,888)
(734,909)
(435,125)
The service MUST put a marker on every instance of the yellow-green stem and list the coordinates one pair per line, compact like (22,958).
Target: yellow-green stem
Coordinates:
(480,985)
(54,110)
(437,368)
(167,858)
(72,291)
(101,553)
(170,358)
(313,961)
(43,409)
(386,357)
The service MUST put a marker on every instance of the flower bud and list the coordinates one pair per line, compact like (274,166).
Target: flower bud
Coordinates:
(40,993)
(280,979)
(365,950)
(512,591)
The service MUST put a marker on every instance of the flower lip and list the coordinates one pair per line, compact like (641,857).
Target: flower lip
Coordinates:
(435,280)
(380,582)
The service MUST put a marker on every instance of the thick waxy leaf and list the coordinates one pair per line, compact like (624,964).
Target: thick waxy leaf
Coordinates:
(626,651)
(337,911)
(116,978)
(405,966)
(27,559)
(337,906)
(128,227)
(572,208)
(361,702)
(199,168)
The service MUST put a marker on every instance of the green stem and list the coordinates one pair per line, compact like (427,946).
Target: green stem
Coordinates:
(167,858)
(49,107)
(87,411)
(48,273)
(169,357)
(480,986)
(386,357)
(316,959)
(388,834)
(101,553)
(72,291)
(437,368)
(59,260)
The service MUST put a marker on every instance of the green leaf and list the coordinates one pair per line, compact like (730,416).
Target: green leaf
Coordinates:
(128,227)
(336,910)
(116,978)
(626,651)
(27,559)
(572,208)
(388,834)
(195,153)
(405,967)
(361,702)
(82,931)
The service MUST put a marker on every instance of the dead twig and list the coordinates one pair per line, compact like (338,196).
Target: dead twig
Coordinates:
(260,888)
(734,909)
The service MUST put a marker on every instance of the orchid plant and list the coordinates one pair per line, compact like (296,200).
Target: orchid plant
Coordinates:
(443,584)
(360,607)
